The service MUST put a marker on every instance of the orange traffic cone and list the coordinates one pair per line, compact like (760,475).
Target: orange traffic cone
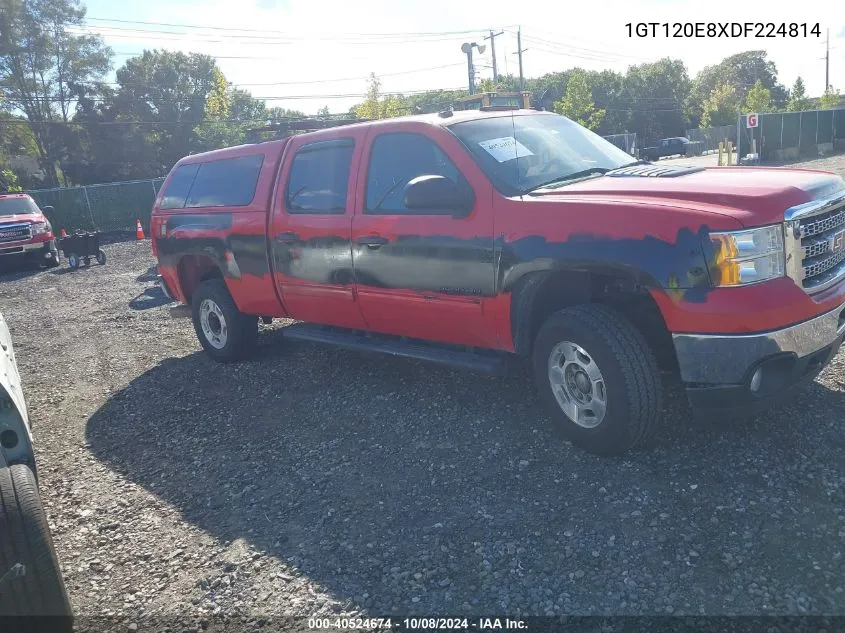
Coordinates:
(139,230)
(64,233)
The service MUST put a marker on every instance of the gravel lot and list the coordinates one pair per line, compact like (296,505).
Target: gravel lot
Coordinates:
(315,481)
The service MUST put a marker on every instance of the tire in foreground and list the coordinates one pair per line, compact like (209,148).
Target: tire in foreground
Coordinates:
(32,594)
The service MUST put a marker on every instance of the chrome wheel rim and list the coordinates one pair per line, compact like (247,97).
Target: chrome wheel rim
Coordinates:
(213,324)
(577,384)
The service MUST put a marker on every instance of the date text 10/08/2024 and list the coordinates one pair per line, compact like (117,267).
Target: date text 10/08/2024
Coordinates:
(723,29)
(412,624)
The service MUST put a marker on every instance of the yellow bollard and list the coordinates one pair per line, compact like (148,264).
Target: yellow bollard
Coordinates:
(721,152)
(730,150)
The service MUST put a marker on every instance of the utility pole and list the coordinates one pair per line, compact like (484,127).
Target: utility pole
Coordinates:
(492,39)
(826,62)
(519,52)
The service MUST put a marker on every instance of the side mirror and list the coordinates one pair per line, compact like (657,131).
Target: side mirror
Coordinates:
(48,208)
(438,194)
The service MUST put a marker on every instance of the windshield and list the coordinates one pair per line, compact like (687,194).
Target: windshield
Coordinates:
(13,206)
(521,153)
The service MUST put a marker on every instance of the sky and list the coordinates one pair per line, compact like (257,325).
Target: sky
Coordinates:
(305,54)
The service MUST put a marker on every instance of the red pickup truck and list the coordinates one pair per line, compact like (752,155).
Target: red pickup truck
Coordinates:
(25,231)
(463,237)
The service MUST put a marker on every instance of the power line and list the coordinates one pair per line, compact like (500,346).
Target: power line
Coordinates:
(356,95)
(328,37)
(593,42)
(320,81)
(550,49)
(171,36)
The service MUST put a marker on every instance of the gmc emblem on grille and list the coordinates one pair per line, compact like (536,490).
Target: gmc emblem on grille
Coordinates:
(838,242)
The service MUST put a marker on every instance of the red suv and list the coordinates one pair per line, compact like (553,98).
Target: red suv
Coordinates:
(25,231)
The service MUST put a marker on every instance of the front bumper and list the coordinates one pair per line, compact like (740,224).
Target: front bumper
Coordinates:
(738,371)
(46,249)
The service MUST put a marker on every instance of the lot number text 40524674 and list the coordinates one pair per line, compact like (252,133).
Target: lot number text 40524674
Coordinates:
(723,29)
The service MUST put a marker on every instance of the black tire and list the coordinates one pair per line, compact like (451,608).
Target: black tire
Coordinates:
(53,261)
(241,329)
(25,538)
(628,367)
(73,261)
(101,257)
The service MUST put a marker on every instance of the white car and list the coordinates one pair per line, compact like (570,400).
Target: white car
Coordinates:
(31,582)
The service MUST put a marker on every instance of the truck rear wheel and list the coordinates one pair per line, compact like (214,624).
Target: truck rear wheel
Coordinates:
(33,584)
(225,333)
(599,378)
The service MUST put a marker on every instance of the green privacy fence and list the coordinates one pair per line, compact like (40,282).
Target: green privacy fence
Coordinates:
(109,207)
(783,135)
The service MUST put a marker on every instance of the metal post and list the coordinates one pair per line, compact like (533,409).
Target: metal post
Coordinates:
(782,117)
(827,63)
(519,47)
(153,185)
(90,212)
(738,132)
(800,125)
(492,39)
(470,72)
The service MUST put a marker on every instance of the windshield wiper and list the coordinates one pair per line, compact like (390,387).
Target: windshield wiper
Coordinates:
(568,177)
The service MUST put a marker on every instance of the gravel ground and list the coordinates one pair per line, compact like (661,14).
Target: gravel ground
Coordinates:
(313,481)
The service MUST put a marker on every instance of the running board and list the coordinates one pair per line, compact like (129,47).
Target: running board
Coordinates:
(478,361)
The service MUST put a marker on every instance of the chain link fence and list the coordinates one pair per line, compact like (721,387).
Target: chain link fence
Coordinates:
(108,207)
(789,135)
(627,142)
(705,140)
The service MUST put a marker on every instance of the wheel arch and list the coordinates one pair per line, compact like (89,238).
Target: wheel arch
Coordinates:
(540,294)
(192,270)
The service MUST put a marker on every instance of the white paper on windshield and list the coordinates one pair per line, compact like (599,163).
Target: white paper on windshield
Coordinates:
(505,148)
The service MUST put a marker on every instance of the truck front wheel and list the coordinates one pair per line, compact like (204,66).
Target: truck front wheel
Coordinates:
(225,333)
(599,378)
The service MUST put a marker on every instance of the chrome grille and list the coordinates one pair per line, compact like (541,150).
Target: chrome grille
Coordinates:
(815,242)
(818,265)
(828,222)
(14,232)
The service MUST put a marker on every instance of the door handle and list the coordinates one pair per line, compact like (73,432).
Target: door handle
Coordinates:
(287,238)
(372,241)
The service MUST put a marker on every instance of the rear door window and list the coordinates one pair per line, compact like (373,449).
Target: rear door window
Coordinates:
(229,182)
(178,187)
(319,178)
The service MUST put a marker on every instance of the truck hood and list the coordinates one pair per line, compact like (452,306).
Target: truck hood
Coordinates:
(753,196)
(15,218)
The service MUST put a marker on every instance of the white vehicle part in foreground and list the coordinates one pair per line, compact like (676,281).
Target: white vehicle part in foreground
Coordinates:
(15,438)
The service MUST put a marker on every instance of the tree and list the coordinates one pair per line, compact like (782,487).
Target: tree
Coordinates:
(45,68)
(830,98)
(758,99)
(798,100)
(323,112)
(169,95)
(9,181)
(577,103)
(721,107)
(432,101)
(740,71)
(653,98)
(377,107)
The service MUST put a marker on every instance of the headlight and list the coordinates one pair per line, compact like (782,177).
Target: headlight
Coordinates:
(746,257)
(39,228)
